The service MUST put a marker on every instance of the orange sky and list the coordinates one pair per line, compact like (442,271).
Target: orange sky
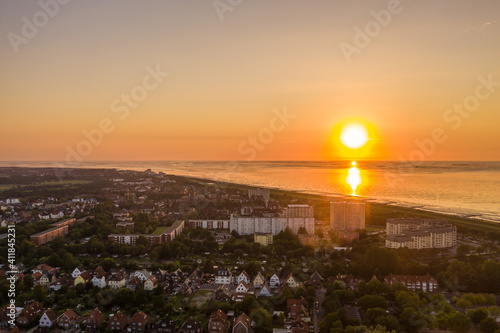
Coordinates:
(225,78)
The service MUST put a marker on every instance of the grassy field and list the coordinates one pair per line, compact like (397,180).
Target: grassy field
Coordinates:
(159,230)
(6,187)
(201,297)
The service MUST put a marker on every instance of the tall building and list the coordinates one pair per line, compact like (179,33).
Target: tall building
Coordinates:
(420,234)
(258,192)
(293,217)
(347,216)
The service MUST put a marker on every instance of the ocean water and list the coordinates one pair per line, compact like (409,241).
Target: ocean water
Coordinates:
(461,188)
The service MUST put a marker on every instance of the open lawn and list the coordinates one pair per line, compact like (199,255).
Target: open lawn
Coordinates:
(6,187)
(159,230)
(201,297)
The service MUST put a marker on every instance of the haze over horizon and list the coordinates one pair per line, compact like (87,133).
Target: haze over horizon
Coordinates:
(231,83)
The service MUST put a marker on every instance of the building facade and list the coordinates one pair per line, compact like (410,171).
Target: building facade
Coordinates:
(293,217)
(210,224)
(347,216)
(420,234)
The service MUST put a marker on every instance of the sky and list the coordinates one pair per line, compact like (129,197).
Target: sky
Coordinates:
(248,80)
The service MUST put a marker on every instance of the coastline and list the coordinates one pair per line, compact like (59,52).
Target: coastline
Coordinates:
(379,208)
(378,212)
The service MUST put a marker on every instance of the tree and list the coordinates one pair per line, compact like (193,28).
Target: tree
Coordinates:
(39,293)
(108,263)
(262,319)
(412,320)
(328,322)
(68,261)
(159,301)
(476,316)
(459,322)
(488,325)
(28,281)
(408,299)
(372,301)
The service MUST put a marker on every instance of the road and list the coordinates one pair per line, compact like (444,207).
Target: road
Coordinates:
(320,294)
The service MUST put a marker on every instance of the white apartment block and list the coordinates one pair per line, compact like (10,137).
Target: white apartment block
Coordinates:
(270,225)
(420,234)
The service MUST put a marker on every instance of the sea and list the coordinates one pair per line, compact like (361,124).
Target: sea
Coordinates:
(469,189)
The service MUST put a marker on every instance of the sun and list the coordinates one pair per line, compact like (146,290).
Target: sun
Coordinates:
(354,136)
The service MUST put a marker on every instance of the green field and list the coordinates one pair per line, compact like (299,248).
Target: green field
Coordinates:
(159,230)
(6,187)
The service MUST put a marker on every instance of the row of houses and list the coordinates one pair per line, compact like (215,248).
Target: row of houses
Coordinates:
(95,321)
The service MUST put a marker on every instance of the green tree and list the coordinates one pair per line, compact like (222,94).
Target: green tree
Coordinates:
(262,319)
(372,301)
(488,325)
(476,316)
(39,293)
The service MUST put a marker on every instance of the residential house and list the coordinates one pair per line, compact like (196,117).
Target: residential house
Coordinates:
(218,322)
(186,288)
(143,275)
(65,280)
(274,281)
(134,283)
(99,281)
(76,272)
(116,281)
(84,278)
(177,277)
(243,277)
(242,324)
(291,282)
(43,268)
(30,313)
(259,280)
(151,283)
(242,287)
(166,325)
(316,279)
(191,326)
(139,322)
(298,326)
(67,320)
(100,271)
(47,279)
(161,274)
(48,318)
(117,322)
(223,293)
(94,320)
(223,276)
(56,214)
(265,291)
(297,308)
(196,277)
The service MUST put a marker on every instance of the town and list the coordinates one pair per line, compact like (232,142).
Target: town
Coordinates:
(107,250)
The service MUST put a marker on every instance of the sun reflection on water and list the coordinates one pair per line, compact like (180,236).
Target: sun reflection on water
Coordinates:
(353,177)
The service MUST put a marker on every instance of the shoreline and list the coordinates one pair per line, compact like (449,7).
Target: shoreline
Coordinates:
(472,221)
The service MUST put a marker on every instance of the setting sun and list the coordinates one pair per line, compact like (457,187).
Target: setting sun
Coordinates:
(354,136)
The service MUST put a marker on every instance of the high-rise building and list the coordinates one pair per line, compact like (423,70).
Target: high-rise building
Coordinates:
(347,216)
(258,192)
(293,217)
